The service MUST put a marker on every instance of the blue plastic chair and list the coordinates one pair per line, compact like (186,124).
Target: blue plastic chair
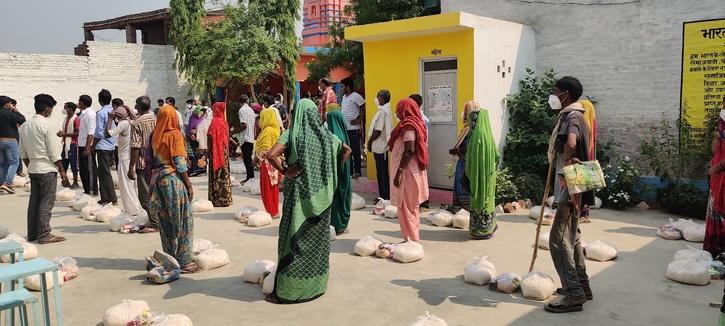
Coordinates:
(38,266)
(11,248)
(19,299)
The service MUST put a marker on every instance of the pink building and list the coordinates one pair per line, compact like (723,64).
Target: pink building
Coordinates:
(317,17)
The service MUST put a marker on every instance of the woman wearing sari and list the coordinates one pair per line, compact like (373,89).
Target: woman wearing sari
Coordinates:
(269,177)
(714,224)
(480,176)
(340,215)
(220,184)
(196,165)
(409,156)
(461,196)
(313,156)
(171,191)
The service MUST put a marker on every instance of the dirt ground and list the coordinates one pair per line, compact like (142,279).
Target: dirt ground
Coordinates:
(631,290)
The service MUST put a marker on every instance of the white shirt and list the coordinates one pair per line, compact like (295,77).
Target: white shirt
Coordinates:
(88,126)
(181,122)
(351,109)
(381,121)
(279,117)
(40,144)
(123,132)
(247,116)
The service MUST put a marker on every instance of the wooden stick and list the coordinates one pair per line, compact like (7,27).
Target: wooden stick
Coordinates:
(541,215)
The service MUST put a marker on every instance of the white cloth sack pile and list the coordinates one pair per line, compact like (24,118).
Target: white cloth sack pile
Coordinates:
(543,242)
(694,232)
(600,251)
(693,254)
(83,201)
(242,215)
(124,313)
(212,258)
(357,202)
(669,232)
(408,252)
(237,168)
(117,222)
(30,251)
(33,282)
(537,286)
(258,219)
(19,181)
(689,271)
(202,206)
(268,282)
(441,218)
(201,245)
(65,197)
(536,210)
(254,187)
(507,283)
(88,213)
(107,213)
(379,208)
(366,246)
(462,219)
(333,233)
(172,320)
(256,271)
(391,211)
(479,272)
(429,320)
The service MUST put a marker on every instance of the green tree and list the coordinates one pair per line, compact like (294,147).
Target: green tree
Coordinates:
(186,33)
(280,21)
(347,54)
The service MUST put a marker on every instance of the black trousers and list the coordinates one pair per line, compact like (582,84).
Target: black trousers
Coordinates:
(247,149)
(381,168)
(144,197)
(42,200)
(87,167)
(354,136)
(105,179)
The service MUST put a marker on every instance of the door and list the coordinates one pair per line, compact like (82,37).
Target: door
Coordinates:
(439,104)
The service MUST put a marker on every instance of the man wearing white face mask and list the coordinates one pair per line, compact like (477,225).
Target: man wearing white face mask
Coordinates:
(378,136)
(568,145)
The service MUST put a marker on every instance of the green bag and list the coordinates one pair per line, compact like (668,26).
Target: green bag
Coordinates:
(583,177)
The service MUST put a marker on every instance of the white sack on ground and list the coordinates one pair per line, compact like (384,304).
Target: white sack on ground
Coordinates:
(600,251)
(333,233)
(688,271)
(212,258)
(694,233)
(680,224)
(117,222)
(537,286)
(441,218)
(268,282)
(366,246)
(429,320)
(65,195)
(107,213)
(254,187)
(83,201)
(242,215)
(201,245)
(543,242)
(255,271)
(462,219)
(669,232)
(124,312)
(507,283)
(408,252)
(30,251)
(172,320)
(258,219)
(202,206)
(33,282)
(391,211)
(358,202)
(480,271)
(88,213)
(693,254)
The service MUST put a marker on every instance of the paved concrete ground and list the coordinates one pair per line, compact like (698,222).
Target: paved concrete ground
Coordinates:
(368,291)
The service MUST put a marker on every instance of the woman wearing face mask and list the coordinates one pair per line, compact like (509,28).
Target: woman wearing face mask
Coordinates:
(123,116)
(714,224)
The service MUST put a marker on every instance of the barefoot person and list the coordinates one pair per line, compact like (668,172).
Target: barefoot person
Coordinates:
(409,157)
(313,156)
(568,145)
(40,150)
(171,192)
(269,177)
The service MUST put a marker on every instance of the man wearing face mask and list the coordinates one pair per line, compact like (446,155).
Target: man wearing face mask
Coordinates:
(40,150)
(378,136)
(568,145)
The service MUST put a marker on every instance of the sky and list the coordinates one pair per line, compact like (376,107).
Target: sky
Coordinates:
(56,26)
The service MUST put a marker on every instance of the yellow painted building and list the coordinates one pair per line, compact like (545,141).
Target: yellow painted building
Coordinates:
(449,59)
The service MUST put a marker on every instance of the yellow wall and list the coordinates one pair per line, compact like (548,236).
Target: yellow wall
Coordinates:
(395,65)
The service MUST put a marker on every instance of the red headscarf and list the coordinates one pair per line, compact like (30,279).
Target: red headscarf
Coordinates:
(219,133)
(410,118)
(717,181)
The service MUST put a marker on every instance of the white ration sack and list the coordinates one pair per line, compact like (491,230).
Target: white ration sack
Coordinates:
(429,320)
(30,251)
(688,271)
(201,245)
(462,219)
(211,258)
(88,213)
(65,195)
(366,246)
(107,213)
(441,218)
(507,282)
(120,220)
(357,202)
(141,219)
(550,201)
(82,201)
(33,282)
(242,215)
(379,208)
(391,211)
(694,233)
(600,251)
(597,203)
(480,271)
(543,242)
(172,320)
(408,252)
(333,233)
(669,232)
(680,224)
(255,271)
(237,168)
(124,313)
(693,254)
(202,206)
(254,187)
(268,282)
(537,286)
(19,181)
(258,219)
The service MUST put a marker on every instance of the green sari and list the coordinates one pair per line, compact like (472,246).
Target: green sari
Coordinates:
(340,215)
(481,160)
(304,230)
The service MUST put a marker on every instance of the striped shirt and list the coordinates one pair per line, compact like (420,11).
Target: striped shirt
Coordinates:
(142,128)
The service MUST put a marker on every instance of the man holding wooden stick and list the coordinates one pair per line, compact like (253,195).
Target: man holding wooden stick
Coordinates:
(567,145)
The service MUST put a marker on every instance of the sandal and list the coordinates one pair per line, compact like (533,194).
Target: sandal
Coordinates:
(51,239)
(190,268)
